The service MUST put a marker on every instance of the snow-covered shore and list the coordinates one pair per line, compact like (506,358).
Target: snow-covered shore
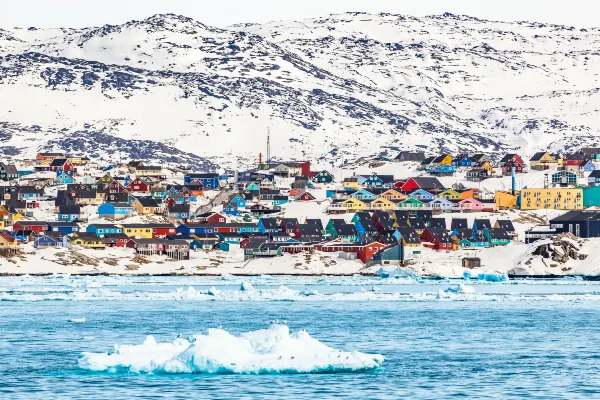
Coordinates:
(515,259)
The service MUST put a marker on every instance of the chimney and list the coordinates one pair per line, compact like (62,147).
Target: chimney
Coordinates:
(514,189)
(259,159)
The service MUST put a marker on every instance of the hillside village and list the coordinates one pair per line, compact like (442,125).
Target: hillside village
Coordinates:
(435,214)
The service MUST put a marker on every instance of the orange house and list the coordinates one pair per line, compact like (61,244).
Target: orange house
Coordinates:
(49,156)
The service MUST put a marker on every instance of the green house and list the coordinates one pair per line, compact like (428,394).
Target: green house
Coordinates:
(591,196)
(410,203)
(497,236)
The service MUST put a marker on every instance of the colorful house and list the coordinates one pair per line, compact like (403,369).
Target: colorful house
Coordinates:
(69,213)
(353,204)
(139,231)
(542,161)
(410,203)
(392,195)
(551,198)
(145,205)
(63,178)
(363,194)
(440,203)
(306,196)
(104,229)
(323,177)
(421,195)
(505,200)
(591,196)
(115,210)
(381,204)
(450,194)
(64,227)
(470,205)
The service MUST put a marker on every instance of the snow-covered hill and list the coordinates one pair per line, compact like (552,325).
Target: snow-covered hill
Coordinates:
(352,85)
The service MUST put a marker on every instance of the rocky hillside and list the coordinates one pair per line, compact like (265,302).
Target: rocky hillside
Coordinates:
(354,85)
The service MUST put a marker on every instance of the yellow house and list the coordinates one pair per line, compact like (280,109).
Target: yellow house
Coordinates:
(552,198)
(486,165)
(505,200)
(392,195)
(353,204)
(144,205)
(8,242)
(542,161)
(89,243)
(381,204)
(138,231)
(351,183)
(444,159)
(450,195)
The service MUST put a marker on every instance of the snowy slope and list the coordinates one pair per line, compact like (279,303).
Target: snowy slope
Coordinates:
(352,84)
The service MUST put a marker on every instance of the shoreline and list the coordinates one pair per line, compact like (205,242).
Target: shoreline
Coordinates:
(588,278)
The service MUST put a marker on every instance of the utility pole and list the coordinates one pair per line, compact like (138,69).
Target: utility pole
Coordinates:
(268,145)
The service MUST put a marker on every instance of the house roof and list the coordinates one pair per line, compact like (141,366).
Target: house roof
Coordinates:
(270,223)
(179,208)
(428,183)
(438,223)
(63,224)
(483,223)
(410,156)
(441,235)
(315,221)
(409,235)
(499,234)
(69,209)
(58,162)
(120,205)
(538,156)
(309,230)
(507,158)
(10,169)
(576,216)
(506,224)
(147,201)
(458,223)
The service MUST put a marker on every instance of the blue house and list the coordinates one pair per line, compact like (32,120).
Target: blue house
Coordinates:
(439,203)
(443,169)
(64,178)
(363,195)
(462,161)
(69,213)
(208,180)
(231,238)
(421,195)
(379,181)
(64,227)
(594,178)
(115,210)
(52,241)
(231,209)
(239,201)
(253,186)
(280,200)
(268,225)
(104,229)
(587,167)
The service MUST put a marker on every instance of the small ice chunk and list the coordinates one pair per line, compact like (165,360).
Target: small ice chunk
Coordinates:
(460,288)
(78,320)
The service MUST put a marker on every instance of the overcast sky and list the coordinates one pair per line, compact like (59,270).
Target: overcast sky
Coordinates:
(80,13)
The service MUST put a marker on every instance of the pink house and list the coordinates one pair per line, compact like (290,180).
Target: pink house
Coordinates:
(470,205)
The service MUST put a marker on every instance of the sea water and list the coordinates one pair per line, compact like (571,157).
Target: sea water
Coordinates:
(297,338)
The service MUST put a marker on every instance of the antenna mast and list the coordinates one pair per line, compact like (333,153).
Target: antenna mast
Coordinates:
(268,145)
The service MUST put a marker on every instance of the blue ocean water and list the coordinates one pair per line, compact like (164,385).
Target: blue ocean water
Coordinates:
(526,340)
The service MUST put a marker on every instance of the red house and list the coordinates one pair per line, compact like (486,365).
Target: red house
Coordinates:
(363,251)
(399,184)
(117,240)
(159,231)
(429,184)
(508,166)
(61,164)
(36,226)
(305,197)
(138,185)
(115,187)
(216,218)
(293,193)
(437,239)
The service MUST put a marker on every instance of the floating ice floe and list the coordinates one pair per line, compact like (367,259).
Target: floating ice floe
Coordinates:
(460,289)
(78,320)
(269,351)
(396,272)
(492,277)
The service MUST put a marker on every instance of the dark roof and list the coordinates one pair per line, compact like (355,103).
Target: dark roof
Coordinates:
(576,216)
(439,158)
(31,223)
(506,224)
(409,235)
(120,205)
(69,209)
(437,223)
(441,235)
(309,230)
(411,156)
(459,223)
(595,174)
(147,201)
(428,183)
(103,226)
(499,234)
(270,223)
(10,169)
(483,224)
(59,224)
(537,156)
(508,157)
(58,162)
(206,175)
(179,208)
(289,223)
(149,168)
(417,223)
(427,160)
(464,233)
(477,157)
(315,221)
(346,230)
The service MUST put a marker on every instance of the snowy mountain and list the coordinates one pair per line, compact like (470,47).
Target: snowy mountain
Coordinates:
(355,85)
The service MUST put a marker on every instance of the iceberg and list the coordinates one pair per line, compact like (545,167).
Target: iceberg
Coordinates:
(78,320)
(274,350)
(396,272)
(460,289)
(492,277)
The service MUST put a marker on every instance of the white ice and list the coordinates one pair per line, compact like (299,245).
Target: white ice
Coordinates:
(269,351)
